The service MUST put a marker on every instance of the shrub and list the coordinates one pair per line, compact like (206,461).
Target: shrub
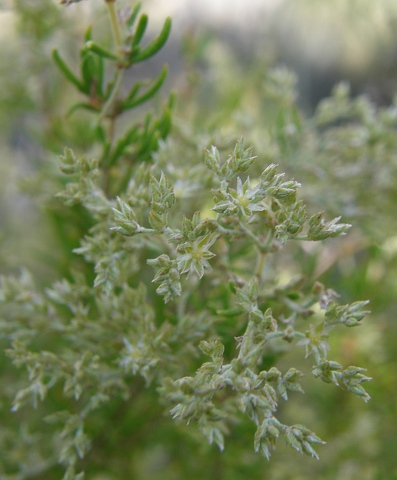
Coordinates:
(177,298)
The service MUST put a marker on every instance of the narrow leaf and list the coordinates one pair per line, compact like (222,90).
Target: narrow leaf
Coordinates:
(102,52)
(153,47)
(140,30)
(66,71)
(150,92)
(134,14)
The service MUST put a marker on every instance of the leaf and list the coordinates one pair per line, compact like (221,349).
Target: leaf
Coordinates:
(134,13)
(66,71)
(150,92)
(154,46)
(140,30)
(101,51)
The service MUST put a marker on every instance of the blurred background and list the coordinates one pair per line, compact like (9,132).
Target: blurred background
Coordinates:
(222,54)
(323,42)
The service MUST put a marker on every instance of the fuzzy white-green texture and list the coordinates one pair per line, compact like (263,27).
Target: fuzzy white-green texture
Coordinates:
(176,301)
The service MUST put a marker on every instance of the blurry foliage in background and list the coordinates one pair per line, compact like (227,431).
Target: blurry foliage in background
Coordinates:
(105,344)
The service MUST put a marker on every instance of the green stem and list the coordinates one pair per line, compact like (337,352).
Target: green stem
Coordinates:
(112,99)
(113,96)
(107,109)
(248,232)
(263,250)
(261,264)
(114,22)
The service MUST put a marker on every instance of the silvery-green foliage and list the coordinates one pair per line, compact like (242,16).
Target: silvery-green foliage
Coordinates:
(109,330)
(173,303)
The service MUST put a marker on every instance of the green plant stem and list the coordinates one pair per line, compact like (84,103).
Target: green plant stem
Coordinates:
(114,22)
(261,264)
(112,97)
(248,232)
(112,116)
(107,109)
(120,71)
